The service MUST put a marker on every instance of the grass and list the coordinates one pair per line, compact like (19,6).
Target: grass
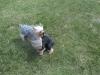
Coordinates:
(75,26)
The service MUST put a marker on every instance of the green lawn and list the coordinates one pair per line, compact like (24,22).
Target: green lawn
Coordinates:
(75,26)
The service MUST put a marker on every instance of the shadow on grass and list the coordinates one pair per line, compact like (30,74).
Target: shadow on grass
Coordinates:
(28,49)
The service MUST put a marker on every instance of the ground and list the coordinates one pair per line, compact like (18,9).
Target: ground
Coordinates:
(74,25)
